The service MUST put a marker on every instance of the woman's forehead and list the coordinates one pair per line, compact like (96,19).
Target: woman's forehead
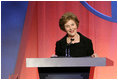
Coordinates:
(69,22)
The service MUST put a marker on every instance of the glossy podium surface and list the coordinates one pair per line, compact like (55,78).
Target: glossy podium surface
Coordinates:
(65,67)
(65,62)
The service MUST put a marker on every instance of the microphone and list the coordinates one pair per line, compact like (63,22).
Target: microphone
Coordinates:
(68,48)
(72,39)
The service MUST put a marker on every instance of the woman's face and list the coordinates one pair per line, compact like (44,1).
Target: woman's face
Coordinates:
(71,28)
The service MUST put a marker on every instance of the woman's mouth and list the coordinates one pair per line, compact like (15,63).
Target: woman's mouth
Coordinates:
(71,31)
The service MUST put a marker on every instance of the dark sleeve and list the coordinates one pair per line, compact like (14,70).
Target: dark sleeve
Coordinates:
(90,50)
(58,49)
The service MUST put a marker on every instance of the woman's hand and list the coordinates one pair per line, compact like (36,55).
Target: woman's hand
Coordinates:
(94,55)
(54,55)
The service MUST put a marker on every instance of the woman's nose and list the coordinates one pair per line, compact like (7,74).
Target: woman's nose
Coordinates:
(70,27)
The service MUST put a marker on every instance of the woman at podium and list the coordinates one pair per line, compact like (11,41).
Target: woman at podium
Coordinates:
(74,44)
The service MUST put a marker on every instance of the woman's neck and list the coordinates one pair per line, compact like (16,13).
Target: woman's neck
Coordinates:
(76,38)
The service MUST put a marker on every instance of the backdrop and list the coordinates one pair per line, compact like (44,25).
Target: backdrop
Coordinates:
(41,31)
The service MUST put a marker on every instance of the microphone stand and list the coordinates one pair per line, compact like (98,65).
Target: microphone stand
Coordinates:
(68,48)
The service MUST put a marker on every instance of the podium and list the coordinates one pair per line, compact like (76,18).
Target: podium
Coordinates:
(64,67)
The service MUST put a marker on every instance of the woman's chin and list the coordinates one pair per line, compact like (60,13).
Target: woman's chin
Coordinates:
(71,35)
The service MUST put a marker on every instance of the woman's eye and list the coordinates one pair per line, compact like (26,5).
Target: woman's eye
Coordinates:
(72,24)
(67,26)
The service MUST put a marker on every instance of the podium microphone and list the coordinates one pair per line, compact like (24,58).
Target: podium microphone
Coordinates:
(68,48)
(71,40)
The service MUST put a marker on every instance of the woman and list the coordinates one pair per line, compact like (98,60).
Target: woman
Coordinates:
(74,44)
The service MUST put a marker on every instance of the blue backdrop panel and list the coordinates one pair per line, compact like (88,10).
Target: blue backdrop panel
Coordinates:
(12,22)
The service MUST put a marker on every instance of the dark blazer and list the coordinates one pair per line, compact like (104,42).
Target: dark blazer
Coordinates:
(82,49)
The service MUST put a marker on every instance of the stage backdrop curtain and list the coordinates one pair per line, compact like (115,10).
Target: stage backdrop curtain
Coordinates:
(41,31)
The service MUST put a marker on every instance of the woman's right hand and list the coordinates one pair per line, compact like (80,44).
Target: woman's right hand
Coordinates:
(54,56)
(94,55)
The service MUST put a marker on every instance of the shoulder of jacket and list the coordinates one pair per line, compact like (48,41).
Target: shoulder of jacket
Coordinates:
(84,38)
